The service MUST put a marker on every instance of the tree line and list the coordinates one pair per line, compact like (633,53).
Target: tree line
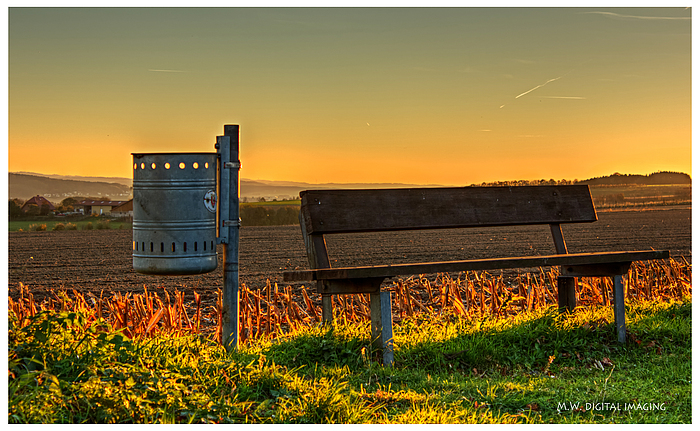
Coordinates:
(657,178)
(513,183)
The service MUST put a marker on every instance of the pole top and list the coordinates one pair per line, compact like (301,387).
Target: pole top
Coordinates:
(231,129)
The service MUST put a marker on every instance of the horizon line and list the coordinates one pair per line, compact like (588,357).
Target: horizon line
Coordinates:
(365,182)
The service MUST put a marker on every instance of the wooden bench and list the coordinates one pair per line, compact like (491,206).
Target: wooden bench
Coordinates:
(326,212)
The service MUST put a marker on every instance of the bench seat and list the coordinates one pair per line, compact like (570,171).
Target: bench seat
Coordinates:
(574,265)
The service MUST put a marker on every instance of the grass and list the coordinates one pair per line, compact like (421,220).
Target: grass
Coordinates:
(293,203)
(25,225)
(471,349)
(641,195)
(534,367)
(637,191)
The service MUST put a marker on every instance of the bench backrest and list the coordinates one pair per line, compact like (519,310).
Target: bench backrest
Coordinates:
(347,211)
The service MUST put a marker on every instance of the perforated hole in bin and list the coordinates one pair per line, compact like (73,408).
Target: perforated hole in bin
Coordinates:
(184,247)
(195,246)
(143,166)
(195,165)
(136,166)
(167,166)
(206,165)
(153,165)
(182,165)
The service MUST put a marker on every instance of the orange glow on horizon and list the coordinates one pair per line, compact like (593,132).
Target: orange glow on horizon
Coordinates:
(420,96)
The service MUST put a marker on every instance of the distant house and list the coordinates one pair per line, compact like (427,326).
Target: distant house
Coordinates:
(97,207)
(125,210)
(38,201)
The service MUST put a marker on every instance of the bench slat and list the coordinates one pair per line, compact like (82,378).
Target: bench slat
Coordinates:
(473,265)
(346,211)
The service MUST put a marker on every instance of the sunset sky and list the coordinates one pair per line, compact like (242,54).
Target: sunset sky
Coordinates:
(447,96)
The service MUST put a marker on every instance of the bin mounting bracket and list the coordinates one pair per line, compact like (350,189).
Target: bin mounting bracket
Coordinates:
(232,165)
(234,223)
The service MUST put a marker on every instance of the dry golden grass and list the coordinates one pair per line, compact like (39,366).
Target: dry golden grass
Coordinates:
(273,310)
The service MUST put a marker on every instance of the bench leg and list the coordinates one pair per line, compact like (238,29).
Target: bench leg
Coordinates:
(619,308)
(382,332)
(326,309)
(566,289)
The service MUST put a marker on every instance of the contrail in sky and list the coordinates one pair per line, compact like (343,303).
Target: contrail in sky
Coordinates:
(617,15)
(533,89)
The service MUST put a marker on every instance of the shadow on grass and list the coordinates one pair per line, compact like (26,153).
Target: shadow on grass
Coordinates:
(333,346)
(524,368)
(520,344)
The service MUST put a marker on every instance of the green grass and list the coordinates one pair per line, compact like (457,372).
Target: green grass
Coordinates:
(641,195)
(16,225)
(641,190)
(292,203)
(535,368)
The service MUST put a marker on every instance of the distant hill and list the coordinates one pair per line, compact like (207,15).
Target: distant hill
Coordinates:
(55,188)
(655,179)
(119,180)
(25,186)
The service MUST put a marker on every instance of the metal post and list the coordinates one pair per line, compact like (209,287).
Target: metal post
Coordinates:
(229,224)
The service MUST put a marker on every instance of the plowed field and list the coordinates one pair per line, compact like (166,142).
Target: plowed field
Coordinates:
(101,260)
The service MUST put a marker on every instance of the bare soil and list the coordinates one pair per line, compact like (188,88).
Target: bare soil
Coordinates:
(100,261)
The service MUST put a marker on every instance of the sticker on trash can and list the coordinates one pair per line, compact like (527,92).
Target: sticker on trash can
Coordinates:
(210,201)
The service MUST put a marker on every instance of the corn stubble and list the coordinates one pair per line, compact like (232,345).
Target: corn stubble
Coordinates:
(272,310)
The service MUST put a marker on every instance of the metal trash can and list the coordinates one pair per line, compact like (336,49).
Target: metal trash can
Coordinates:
(175,204)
